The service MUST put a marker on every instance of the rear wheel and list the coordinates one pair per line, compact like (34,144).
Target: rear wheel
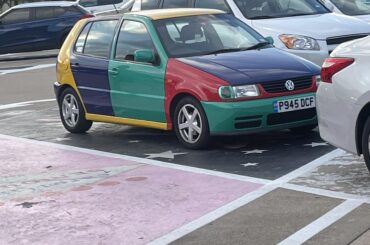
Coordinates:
(303,129)
(72,112)
(366,143)
(191,124)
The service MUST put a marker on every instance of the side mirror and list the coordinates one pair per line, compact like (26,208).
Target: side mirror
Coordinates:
(144,55)
(270,40)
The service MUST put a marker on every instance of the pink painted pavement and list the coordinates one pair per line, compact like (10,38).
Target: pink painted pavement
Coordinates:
(88,199)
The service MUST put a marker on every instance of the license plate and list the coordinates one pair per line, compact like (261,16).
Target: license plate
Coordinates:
(294,104)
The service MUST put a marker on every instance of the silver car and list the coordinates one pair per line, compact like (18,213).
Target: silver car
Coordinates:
(343,98)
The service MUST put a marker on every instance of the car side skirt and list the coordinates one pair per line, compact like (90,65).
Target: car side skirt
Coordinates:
(127,121)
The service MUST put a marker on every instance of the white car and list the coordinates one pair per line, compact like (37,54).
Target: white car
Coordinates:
(102,6)
(343,98)
(303,27)
(356,8)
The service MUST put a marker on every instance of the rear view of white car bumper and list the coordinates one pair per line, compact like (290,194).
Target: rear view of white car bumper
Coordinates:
(337,118)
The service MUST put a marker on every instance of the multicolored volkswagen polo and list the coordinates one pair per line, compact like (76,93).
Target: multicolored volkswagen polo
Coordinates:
(199,72)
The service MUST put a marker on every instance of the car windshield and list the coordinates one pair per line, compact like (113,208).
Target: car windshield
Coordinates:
(207,34)
(352,7)
(267,9)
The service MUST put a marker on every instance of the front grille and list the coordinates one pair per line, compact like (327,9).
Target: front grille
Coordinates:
(292,116)
(279,86)
(342,39)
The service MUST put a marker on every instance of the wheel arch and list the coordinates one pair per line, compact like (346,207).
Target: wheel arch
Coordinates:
(176,99)
(360,124)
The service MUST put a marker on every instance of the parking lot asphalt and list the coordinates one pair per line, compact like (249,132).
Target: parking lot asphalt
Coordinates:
(253,189)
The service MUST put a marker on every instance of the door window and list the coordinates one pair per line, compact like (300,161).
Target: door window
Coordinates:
(149,4)
(133,36)
(17,16)
(99,39)
(213,4)
(175,4)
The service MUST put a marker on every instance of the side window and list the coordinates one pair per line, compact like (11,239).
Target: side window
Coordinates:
(48,12)
(99,38)
(79,47)
(133,36)
(213,4)
(88,3)
(16,16)
(175,4)
(108,2)
(149,4)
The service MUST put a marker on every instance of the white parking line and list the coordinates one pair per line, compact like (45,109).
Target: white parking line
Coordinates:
(273,185)
(23,104)
(4,72)
(302,235)
(321,223)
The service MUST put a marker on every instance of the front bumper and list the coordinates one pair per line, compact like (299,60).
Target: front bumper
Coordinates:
(255,116)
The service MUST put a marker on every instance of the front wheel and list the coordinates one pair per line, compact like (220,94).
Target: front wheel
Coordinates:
(191,124)
(72,112)
(366,143)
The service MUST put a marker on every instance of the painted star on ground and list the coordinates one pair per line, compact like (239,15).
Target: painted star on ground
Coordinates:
(256,151)
(315,144)
(249,164)
(166,155)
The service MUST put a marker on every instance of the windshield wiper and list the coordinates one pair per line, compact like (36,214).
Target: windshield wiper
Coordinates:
(263,17)
(257,46)
(225,50)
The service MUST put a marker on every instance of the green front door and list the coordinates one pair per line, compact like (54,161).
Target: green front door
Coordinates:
(137,88)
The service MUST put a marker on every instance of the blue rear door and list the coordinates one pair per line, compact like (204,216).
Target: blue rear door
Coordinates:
(89,62)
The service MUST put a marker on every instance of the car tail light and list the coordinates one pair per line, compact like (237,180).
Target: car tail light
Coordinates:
(86,16)
(332,66)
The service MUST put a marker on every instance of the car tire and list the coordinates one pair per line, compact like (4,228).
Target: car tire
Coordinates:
(365,143)
(191,124)
(72,113)
(303,129)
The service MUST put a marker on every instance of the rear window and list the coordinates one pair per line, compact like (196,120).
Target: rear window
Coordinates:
(175,4)
(213,4)
(98,40)
(16,16)
(74,10)
(149,4)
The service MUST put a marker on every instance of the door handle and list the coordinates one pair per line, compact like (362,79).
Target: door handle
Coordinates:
(75,65)
(114,72)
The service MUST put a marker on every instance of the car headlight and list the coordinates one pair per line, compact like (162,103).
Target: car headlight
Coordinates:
(299,42)
(236,92)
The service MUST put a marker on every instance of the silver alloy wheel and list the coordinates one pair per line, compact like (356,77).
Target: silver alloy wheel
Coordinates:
(70,110)
(189,123)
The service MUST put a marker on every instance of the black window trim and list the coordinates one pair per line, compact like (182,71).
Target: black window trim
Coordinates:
(159,61)
(89,55)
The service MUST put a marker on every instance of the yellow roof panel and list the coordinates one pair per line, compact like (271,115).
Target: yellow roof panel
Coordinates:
(158,14)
